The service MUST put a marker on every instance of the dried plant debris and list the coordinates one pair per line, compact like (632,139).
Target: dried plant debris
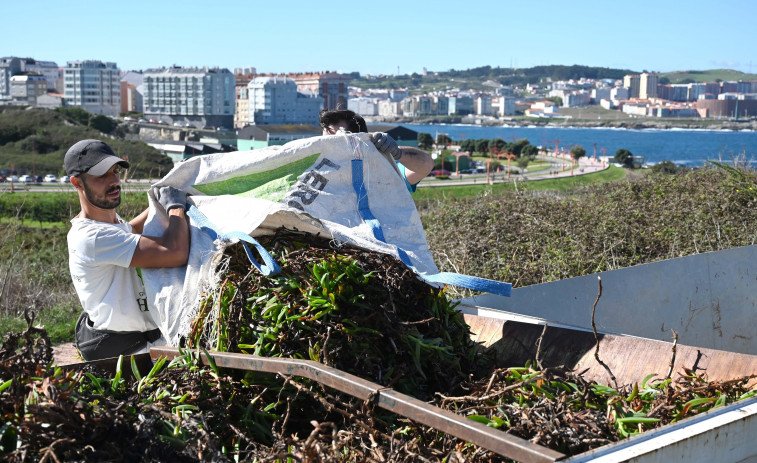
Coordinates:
(354,310)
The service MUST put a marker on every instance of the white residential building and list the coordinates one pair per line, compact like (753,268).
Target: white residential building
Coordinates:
(47,69)
(93,86)
(620,93)
(363,106)
(274,100)
(389,108)
(196,96)
(503,105)
(483,105)
(25,88)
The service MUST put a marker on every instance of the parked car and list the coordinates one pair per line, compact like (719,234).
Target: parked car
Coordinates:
(50,178)
(143,120)
(130,119)
(11,178)
(65,179)
(154,121)
(440,173)
(26,179)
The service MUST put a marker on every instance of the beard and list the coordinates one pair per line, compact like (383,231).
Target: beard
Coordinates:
(102,201)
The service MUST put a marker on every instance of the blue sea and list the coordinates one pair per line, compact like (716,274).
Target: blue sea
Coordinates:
(689,147)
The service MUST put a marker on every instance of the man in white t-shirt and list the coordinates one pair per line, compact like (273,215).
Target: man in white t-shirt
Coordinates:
(106,252)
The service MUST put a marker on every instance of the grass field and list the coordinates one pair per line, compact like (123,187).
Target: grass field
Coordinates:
(564,184)
(712,75)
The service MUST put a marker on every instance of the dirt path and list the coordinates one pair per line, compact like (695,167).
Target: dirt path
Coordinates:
(66,354)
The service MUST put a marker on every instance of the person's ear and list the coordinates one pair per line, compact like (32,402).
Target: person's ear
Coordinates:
(76,182)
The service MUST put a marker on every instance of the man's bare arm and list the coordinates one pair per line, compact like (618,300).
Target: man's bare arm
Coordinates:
(138,222)
(169,250)
(418,163)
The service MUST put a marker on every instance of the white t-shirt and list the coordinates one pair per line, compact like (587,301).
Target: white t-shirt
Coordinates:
(111,292)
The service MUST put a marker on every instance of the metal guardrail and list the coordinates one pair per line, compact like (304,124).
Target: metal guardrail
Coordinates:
(479,434)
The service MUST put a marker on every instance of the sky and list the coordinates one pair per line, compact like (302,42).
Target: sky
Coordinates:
(385,37)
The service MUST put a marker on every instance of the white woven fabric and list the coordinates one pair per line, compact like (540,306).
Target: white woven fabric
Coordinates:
(305,185)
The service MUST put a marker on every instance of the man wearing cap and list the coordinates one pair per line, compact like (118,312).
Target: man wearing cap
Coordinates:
(105,254)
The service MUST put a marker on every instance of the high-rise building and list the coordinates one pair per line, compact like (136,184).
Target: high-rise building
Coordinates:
(648,85)
(632,82)
(9,67)
(276,100)
(194,96)
(242,101)
(93,86)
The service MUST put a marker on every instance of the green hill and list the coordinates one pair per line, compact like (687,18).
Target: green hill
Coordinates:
(35,140)
(712,75)
(484,77)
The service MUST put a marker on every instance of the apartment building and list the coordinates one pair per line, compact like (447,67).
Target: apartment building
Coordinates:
(193,96)
(633,83)
(9,67)
(132,92)
(648,85)
(503,105)
(461,105)
(389,108)
(47,69)
(276,100)
(363,106)
(242,104)
(93,86)
(483,105)
(25,88)
(331,86)
(417,106)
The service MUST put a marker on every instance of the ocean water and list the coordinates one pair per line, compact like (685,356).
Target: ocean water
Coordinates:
(690,147)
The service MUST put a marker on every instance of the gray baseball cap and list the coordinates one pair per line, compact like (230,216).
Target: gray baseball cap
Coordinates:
(91,157)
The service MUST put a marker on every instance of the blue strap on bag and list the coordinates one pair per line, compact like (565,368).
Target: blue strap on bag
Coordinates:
(456,279)
(268,268)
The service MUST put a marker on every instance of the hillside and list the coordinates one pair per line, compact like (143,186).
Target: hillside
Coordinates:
(485,77)
(35,140)
(712,75)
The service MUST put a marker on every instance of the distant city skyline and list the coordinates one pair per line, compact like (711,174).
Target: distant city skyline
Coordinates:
(389,37)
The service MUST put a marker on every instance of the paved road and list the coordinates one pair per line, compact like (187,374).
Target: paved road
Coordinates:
(560,167)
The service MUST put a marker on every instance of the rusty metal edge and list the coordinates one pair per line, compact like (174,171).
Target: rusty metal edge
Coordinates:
(456,425)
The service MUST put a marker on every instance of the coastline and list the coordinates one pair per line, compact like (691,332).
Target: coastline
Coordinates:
(630,124)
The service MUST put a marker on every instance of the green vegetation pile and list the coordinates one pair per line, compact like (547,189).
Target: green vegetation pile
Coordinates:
(528,237)
(184,411)
(360,311)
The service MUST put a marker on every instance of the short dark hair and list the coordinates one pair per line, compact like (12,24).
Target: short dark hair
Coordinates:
(355,122)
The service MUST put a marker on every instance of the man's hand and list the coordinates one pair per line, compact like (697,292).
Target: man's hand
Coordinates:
(170,197)
(386,144)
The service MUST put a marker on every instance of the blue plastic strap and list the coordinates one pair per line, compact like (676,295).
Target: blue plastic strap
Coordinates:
(269,268)
(466,281)
(456,279)
(363,207)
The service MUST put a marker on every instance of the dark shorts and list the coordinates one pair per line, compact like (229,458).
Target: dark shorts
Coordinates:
(101,344)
